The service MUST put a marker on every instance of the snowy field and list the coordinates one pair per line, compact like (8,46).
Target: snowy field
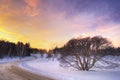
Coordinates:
(106,69)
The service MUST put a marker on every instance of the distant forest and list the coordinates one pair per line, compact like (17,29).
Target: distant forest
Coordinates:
(19,49)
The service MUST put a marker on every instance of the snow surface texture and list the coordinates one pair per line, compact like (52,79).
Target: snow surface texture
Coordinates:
(7,60)
(14,59)
(108,63)
(110,66)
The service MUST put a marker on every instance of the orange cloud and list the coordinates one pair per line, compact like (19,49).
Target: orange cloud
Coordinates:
(32,3)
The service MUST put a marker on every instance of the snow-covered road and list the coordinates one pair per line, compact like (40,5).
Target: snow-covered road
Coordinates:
(11,71)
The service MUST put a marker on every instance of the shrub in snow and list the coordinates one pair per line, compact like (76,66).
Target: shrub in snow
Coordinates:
(81,53)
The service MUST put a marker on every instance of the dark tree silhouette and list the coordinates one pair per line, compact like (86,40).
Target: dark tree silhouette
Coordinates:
(81,53)
(10,49)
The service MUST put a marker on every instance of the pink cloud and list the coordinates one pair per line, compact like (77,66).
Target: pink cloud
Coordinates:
(31,8)
(31,11)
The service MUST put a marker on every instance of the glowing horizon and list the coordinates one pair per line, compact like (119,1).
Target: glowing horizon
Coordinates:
(49,23)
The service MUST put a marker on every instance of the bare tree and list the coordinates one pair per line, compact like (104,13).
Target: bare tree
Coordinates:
(20,49)
(81,53)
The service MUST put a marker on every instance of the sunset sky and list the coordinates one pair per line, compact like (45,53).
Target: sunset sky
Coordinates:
(49,23)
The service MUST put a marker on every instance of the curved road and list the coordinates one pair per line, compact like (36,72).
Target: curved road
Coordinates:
(10,71)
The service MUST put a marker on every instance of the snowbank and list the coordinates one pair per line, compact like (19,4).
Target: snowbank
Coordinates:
(7,59)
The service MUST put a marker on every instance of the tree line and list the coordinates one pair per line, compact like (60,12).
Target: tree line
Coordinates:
(10,49)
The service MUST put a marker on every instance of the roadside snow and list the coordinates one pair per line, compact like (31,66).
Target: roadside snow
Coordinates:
(52,69)
(7,59)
